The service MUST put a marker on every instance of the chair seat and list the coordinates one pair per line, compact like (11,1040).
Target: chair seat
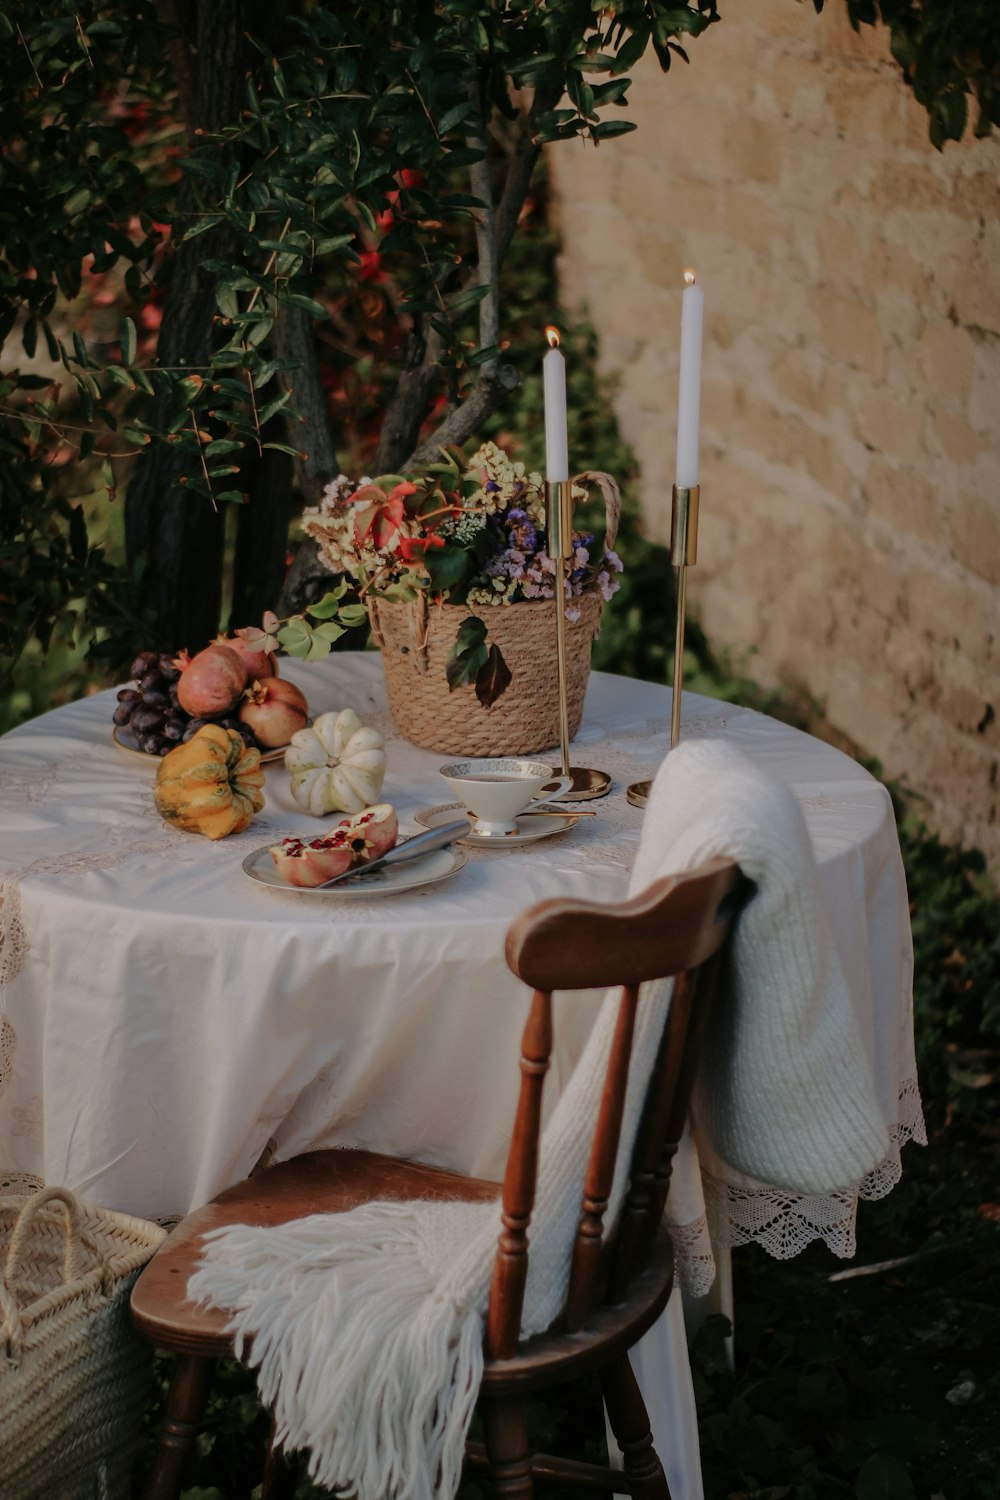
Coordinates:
(320,1182)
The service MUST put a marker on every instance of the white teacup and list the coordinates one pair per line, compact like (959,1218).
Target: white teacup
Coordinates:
(494,791)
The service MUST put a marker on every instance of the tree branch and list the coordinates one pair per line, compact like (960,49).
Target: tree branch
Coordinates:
(488,264)
(521,169)
(468,416)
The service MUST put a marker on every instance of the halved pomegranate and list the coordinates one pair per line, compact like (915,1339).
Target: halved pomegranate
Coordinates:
(311,861)
(372,832)
(354,841)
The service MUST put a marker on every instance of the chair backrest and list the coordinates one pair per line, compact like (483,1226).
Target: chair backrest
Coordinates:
(678,927)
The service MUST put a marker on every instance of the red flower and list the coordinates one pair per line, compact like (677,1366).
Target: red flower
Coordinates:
(380,516)
(412,549)
(371,267)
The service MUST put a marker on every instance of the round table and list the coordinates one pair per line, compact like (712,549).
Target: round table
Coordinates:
(166,1019)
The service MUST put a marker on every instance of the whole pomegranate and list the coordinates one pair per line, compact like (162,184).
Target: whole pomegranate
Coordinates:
(258,663)
(273,709)
(212,682)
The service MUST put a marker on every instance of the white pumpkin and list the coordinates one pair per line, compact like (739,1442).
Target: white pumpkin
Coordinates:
(336,766)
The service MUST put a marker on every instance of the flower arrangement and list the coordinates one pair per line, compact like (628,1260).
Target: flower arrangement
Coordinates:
(464,531)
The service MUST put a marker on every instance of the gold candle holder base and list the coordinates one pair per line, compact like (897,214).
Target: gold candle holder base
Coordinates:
(587,782)
(683,554)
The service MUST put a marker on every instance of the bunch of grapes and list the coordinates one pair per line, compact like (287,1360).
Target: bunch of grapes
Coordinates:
(151,710)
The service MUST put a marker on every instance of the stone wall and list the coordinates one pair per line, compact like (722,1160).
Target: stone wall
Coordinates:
(850,460)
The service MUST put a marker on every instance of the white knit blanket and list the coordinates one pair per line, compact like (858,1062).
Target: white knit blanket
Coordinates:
(368,1326)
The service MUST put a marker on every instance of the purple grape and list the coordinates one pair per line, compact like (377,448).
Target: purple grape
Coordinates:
(152,682)
(168,671)
(173,729)
(142,664)
(129,696)
(191,730)
(122,714)
(147,720)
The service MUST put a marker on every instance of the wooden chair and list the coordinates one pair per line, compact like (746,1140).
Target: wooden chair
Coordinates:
(619,1283)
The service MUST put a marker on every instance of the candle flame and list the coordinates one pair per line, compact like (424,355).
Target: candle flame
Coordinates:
(552,334)
(690,278)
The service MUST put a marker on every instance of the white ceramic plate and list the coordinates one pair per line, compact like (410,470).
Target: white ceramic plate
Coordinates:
(409,875)
(530,826)
(126,740)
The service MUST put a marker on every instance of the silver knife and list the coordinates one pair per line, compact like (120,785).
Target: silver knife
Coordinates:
(421,843)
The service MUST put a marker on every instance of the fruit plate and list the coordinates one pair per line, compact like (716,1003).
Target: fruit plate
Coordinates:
(530,826)
(125,740)
(409,875)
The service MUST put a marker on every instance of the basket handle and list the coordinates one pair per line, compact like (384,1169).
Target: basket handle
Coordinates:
(12,1326)
(612,501)
(75,1238)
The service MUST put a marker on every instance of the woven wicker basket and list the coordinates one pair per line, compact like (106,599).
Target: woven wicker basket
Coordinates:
(75,1380)
(415,643)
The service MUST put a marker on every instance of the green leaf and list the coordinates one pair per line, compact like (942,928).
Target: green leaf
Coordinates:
(207,221)
(78,201)
(298,299)
(468,654)
(128,341)
(493,678)
(335,242)
(327,607)
(467,298)
(454,116)
(296,637)
(330,631)
(446,567)
(259,331)
(273,407)
(883,1477)
(120,377)
(286,448)
(608,128)
(221,446)
(353,615)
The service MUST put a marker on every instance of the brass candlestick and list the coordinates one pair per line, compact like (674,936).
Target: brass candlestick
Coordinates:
(587,782)
(683,554)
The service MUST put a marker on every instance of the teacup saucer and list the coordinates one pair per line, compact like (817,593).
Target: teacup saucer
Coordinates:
(530,826)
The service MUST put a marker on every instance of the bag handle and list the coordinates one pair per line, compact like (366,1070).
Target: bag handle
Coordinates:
(11,1327)
(72,1264)
(612,501)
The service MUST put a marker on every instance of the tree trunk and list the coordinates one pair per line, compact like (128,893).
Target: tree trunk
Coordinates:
(176,539)
(306,579)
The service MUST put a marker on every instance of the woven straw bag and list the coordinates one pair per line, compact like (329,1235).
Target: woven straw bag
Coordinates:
(415,643)
(415,640)
(73,1375)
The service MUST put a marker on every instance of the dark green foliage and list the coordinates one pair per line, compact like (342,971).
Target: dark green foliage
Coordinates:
(356,133)
(949,51)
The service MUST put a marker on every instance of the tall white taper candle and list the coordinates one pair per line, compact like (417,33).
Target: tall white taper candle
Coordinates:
(554,387)
(689,388)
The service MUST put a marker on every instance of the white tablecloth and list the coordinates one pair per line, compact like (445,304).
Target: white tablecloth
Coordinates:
(164,1017)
